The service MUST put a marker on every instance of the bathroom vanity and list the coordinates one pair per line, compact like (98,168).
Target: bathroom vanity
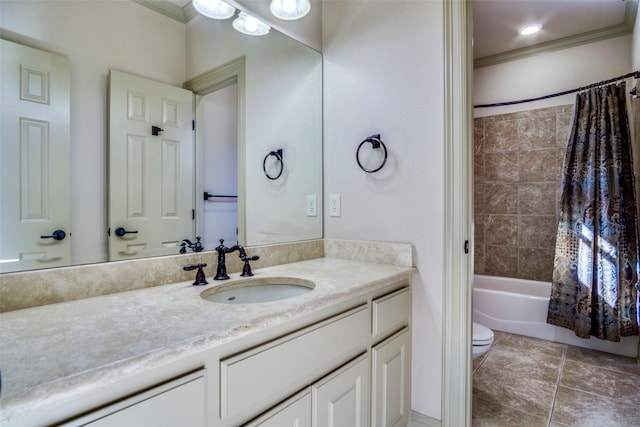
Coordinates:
(166,356)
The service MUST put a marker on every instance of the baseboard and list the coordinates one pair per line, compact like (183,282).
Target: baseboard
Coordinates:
(425,420)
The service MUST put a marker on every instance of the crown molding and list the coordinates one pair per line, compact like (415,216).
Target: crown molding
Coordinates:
(166,8)
(622,29)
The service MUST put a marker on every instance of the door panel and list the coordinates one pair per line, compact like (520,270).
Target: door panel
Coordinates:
(342,398)
(34,158)
(391,382)
(151,177)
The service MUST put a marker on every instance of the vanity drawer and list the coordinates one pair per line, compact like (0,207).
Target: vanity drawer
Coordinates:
(391,312)
(262,376)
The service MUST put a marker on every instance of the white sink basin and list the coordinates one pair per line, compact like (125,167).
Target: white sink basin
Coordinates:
(260,290)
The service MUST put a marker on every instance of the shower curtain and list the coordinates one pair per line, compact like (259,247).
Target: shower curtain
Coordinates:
(595,277)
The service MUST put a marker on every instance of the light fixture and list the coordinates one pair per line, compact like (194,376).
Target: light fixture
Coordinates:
(247,24)
(290,9)
(530,29)
(216,9)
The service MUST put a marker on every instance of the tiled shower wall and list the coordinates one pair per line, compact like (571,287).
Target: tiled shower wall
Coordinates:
(518,161)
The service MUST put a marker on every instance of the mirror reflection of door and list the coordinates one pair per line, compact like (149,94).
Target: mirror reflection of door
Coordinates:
(217,128)
(152,211)
(34,159)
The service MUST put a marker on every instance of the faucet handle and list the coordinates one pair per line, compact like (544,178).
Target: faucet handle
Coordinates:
(200,277)
(246,270)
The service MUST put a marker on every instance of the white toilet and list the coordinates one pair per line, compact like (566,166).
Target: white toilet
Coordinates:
(482,339)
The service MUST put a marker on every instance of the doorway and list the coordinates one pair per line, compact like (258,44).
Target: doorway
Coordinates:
(217,129)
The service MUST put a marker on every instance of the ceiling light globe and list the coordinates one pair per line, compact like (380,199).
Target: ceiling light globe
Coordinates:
(530,29)
(289,10)
(216,9)
(247,24)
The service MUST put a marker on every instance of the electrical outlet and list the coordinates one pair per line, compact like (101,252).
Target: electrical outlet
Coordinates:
(334,205)
(312,205)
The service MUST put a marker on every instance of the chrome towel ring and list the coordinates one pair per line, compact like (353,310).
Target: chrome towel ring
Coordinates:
(376,143)
(278,155)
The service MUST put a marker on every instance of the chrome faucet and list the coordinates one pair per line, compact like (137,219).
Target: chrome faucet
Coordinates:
(221,271)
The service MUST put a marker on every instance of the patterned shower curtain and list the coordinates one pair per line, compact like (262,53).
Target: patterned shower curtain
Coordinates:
(595,276)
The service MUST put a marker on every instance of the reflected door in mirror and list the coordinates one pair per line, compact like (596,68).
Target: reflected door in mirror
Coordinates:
(151,164)
(34,159)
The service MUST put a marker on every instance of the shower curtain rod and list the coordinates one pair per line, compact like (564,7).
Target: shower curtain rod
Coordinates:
(635,74)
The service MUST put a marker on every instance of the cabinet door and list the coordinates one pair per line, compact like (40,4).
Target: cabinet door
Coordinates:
(294,412)
(391,381)
(342,398)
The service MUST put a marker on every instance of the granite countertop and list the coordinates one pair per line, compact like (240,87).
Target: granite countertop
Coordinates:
(50,352)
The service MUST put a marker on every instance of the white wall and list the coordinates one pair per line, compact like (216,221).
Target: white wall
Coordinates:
(96,36)
(383,73)
(549,73)
(283,110)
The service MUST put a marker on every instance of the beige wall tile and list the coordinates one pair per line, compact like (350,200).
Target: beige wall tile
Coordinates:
(537,133)
(478,259)
(500,261)
(519,220)
(537,231)
(478,229)
(535,264)
(537,198)
(539,165)
(501,167)
(501,198)
(501,136)
(501,230)
(563,129)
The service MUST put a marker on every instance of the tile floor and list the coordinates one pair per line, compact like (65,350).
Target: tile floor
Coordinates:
(529,382)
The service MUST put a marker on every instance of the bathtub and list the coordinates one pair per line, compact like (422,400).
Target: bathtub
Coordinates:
(520,307)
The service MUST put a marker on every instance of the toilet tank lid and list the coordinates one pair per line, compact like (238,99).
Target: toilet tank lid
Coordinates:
(481,332)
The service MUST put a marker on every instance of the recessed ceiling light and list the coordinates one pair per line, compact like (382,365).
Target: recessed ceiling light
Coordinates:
(530,29)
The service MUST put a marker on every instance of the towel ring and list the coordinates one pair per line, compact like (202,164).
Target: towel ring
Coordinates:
(278,155)
(376,142)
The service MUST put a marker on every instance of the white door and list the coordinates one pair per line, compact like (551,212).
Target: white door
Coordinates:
(34,158)
(342,398)
(151,177)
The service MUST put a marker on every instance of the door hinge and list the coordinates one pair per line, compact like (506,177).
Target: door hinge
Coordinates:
(193,214)
(193,125)
(466,246)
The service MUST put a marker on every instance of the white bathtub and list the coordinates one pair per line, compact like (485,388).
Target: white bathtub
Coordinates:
(520,307)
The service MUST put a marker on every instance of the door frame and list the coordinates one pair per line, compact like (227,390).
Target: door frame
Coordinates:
(233,72)
(458,214)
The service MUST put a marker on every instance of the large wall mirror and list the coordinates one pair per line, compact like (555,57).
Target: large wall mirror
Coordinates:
(275,103)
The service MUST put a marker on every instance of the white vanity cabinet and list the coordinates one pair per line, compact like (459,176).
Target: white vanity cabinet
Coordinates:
(374,389)
(350,369)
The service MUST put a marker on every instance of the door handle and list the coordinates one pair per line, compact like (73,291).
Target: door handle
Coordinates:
(120,231)
(57,235)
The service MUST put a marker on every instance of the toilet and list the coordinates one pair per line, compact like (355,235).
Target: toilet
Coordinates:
(482,339)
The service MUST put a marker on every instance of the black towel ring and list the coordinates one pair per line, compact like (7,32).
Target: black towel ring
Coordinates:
(278,155)
(376,142)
